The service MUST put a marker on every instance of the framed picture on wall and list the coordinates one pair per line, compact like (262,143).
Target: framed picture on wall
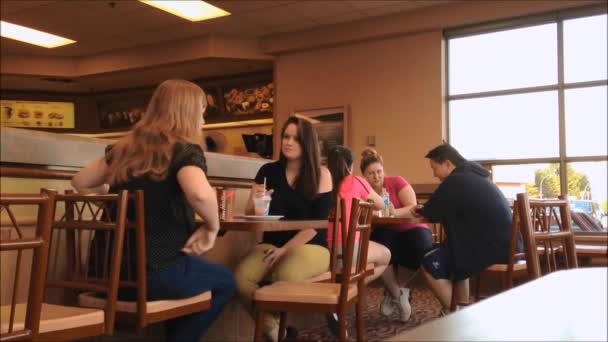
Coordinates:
(214,107)
(331,124)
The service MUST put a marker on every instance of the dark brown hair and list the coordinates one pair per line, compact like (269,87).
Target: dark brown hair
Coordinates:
(368,157)
(307,182)
(339,160)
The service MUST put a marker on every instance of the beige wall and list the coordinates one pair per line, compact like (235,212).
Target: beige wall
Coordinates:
(393,88)
(389,71)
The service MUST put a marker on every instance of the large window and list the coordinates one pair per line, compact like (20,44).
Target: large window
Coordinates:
(528,99)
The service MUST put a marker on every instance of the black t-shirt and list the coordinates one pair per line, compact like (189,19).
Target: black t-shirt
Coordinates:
(292,205)
(169,219)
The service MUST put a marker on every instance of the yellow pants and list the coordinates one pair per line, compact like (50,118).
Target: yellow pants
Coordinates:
(298,264)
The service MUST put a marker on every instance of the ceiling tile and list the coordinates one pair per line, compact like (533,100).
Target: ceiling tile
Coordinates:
(364,5)
(319,9)
(295,26)
(343,18)
(102,25)
(402,6)
(237,7)
(275,16)
(12,6)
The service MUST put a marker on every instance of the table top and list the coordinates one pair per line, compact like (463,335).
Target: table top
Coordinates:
(245,225)
(566,305)
(397,220)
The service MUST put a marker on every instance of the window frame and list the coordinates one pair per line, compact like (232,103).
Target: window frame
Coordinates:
(557,17)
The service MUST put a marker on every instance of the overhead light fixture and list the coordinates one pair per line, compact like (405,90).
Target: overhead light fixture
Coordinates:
(190,10)
(31,36)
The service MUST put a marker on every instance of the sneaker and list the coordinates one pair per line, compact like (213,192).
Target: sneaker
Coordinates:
(405,308)
(291,333)
(273,335)
(386,308)
(332,324)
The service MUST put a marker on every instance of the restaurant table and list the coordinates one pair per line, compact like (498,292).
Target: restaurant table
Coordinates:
(396,220)
(245,225)
(566,305)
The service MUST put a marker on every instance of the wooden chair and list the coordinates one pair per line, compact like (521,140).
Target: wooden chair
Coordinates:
(324,298)
(69,258)
(139,311)
(546,226)
(515,268)
(64,268)
(21,320)
(337,216)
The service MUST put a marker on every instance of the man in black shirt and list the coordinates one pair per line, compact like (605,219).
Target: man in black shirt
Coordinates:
(476,218)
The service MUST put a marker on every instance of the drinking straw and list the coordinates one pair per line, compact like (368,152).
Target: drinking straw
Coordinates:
(264,184)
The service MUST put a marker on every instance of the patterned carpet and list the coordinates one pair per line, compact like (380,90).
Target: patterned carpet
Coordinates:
(425,307)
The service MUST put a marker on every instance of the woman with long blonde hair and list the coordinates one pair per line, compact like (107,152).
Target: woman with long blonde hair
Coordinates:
(163,156)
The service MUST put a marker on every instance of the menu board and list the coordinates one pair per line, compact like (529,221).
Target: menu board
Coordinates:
(37,114)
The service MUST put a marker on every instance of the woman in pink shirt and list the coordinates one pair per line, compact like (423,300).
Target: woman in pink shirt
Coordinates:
(347,187)
(407,243)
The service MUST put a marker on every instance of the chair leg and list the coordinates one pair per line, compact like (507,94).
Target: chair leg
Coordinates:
(477,285)
(342,324)
(259,325)
(140,330)
(282,326)
(360,322)
(453,297)
(505,283)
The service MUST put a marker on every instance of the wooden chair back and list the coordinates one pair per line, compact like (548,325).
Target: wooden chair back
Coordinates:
(512,269)
(337,216)
(354,268)
(89,267)
(546,223)
(514,253)
(22,244)
(133,265)
(133,304)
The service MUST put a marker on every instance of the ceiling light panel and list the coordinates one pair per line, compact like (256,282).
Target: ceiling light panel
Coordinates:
(31,36)
(189,10)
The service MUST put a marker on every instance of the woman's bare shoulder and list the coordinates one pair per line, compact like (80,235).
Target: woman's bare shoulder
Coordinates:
(325,184)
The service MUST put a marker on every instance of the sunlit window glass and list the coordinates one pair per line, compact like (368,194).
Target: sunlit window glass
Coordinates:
(585,49)
(510,59)
(538,180)
(506,127)
(587,192)
(586,121)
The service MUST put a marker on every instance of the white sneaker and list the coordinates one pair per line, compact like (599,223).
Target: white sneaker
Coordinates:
(405,309)
(386,308)
(272,335)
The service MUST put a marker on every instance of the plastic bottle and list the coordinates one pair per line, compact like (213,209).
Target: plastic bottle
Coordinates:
(387,202)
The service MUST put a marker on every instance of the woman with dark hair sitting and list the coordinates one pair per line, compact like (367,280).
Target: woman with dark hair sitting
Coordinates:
(301,190)
(347,187)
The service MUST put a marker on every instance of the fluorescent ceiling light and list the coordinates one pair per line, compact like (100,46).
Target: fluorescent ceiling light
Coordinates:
(188,9)
(31,36)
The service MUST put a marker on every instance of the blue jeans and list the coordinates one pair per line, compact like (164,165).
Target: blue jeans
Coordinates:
(189,277)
